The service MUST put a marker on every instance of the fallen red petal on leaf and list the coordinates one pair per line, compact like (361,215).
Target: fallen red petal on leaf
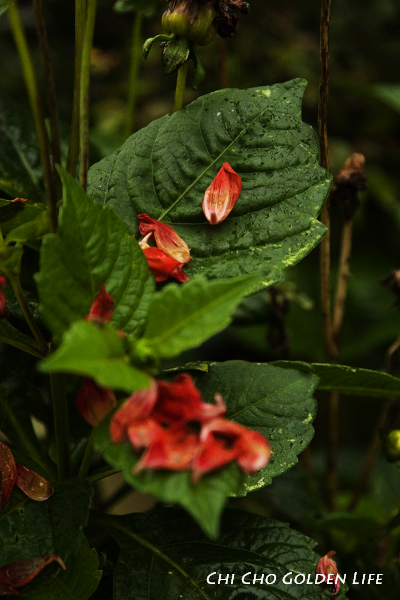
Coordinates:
(102,308)
(8,470)
(165,237)
(94,402)
(221,195)
(163,266)
(32,484)
(21,572)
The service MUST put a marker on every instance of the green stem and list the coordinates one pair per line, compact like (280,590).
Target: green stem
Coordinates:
(36,107)
(50,90)
(180,87)
(16,286)
(73,148)
(61,425)
(136,54)
(84,94)
(32,448)
(103,474)
(109,521)
(87,458)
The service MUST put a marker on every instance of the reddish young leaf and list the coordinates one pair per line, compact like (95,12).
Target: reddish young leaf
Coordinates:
(102,308)
(21,572)
(327,567)
(165,238)
(221,195)
(162,265)
(8,471)
(94,402)
(32,484)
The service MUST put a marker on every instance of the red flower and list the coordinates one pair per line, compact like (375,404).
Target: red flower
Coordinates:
(102,308)
(4,312)
(328,569)
(221,195)
(31,483)
(176,430)
(162,265)
(165,238)
(94,402)
(19,573)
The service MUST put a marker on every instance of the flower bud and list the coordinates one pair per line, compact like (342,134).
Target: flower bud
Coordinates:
(190,19)
(327,567)
(221,195)
(391,443)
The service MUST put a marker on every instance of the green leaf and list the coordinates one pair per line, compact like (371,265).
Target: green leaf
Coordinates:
(3,7)
(182,317)
(174,54)
(20,170)
(13,336)
(164,555)
(203,500)
(349,380)
(29,529)
(78,582)
(276,402)
(389,94)
(96,352)
(148,7)
(15,214)
(31,232)
(91,247)
(164,170)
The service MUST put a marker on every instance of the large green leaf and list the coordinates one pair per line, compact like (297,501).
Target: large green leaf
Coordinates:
(349,380)
(92,246)
(203,500)
(164,555)
(30,529)
(164,170)
(20,170)
(276,402)
(78,582)
(97,353)
(182,317)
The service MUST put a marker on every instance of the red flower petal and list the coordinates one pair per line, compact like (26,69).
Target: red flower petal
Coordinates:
(223,441)
(328,568)
(94,402)
(22,200)
(102,308)
(32,484)
(135,409)
(221,195)
(21,572)
(173,449)
(162,265)
(8,470)
(4,312)
(166,238)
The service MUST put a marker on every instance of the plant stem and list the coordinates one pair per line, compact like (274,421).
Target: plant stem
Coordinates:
(36,107)
(110,521)
(133,74)
(103,474)
(341,288)
(180,87)
(51,95)
(16,286)
(73,148)
(87,458)
(61,425)
(84,93)
(32,448)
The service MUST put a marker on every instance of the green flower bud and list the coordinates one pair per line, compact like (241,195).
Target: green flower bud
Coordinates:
(391,442)
(188,19)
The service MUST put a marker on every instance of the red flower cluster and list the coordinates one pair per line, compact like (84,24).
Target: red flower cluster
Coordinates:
(177,430)
(171,253)
(13,474)
(19,573)
(328,569)
(94,401)
(221,195)
(4,312)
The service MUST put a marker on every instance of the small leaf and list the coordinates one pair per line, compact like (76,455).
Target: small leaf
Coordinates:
(203,500)
(96,352)
(349,380)
(175,53)
(15,214)
(91,247)
(164,555)
(276,402)
(182,317)
(30,232)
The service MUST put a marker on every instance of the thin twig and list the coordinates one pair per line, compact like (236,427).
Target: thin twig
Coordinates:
(343,278)
(180,87)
